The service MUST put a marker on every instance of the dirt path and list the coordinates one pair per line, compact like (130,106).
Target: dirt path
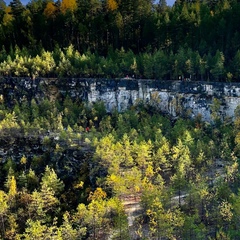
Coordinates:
(133,209)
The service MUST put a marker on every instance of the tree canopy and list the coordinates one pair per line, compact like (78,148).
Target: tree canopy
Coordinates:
(194,39)
(136,174)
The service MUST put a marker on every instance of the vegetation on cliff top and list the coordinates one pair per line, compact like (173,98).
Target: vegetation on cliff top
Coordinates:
(111,38)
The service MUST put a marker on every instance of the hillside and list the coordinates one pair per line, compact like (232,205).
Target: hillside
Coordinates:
(71,170)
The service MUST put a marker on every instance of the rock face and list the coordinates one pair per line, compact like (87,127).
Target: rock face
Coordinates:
(172,97)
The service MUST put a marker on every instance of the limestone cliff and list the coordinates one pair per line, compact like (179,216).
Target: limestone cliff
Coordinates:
(172,97)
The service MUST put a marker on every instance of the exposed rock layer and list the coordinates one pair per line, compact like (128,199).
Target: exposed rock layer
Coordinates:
(172,97)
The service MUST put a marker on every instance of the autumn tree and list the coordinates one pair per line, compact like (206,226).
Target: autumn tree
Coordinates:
(51,10)
(3,211)
(112,5)
(67,5)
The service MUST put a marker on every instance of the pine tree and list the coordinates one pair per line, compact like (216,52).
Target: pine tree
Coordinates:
(51,181)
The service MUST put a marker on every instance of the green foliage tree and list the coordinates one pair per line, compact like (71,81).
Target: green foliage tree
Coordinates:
(38,230)
(215,111)
(66,229)
(163,223)
(51,181)
(181,161)
(43,204)
(218,66)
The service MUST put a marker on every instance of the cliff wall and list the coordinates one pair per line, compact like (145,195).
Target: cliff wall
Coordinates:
(172,97)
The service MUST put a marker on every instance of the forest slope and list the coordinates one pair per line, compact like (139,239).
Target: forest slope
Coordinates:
(74,180)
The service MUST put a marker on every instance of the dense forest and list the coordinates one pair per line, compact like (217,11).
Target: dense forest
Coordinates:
(70,170)
(198,40)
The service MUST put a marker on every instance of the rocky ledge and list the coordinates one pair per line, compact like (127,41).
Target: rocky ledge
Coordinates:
(171,97)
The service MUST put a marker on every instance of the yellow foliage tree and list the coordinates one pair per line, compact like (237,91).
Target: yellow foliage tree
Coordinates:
(12,187)
(68,5)
(12,191)
(50,10)
(3,212)
(7,18)
(112,5)
(23,160)
(97,194)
